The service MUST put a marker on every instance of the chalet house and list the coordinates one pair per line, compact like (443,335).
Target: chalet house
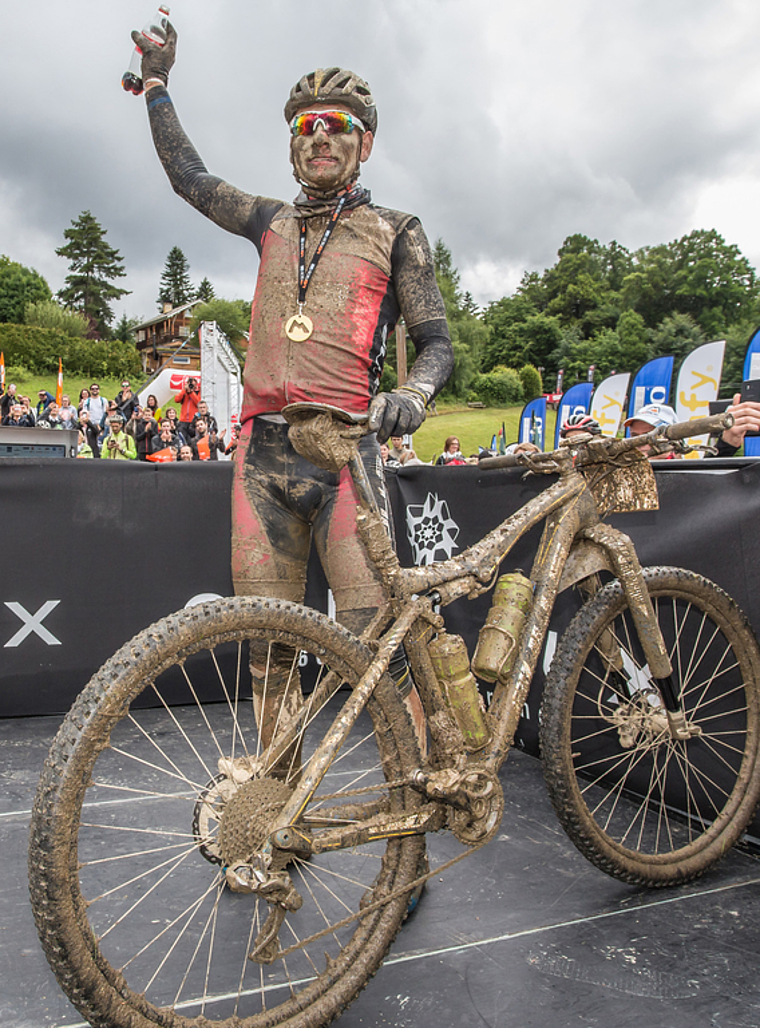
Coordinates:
(165,340)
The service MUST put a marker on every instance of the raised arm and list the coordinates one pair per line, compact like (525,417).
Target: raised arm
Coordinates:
(231,208)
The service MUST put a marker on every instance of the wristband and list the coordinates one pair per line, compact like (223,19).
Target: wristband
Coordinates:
(412,389)
(149,83)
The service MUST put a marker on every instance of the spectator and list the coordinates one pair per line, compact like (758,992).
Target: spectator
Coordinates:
(746,419)
(83,447)
(91,432)
(580,423)
(152,404)
(164,440)
(171,415)
(232,445)
(189,398)
(145,431)
(97,406)
(17,418)
(118,445)
(126,401)
(386,456)
(44,401)
(203,412)
(26,403)
(68,412)
(186,452)
(50,417)
(84,394)
(206,445)
(398,449)
(7,400)
(652,415)
(451,452)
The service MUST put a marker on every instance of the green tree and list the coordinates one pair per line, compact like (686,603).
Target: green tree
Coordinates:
(469,335)
(49,314)
(125,329)
(18,287)
(676,335)
(232,316)
(205,292)
(176,288)
(93,265)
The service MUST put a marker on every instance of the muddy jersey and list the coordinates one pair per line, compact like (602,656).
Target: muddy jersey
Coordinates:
(376,267)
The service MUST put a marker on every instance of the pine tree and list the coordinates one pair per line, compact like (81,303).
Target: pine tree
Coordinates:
(93,264)
(205,292)
(175,287)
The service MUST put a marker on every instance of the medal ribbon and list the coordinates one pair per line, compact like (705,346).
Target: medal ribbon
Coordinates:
(304,273)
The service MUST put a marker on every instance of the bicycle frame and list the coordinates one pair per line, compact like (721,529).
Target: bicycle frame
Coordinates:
(574,545)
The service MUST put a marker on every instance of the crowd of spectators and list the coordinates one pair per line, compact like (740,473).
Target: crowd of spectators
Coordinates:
(123,429)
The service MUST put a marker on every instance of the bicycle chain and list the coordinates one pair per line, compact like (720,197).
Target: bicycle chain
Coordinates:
(400,891)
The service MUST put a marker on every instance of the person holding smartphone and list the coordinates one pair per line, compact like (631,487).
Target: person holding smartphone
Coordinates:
(746,411)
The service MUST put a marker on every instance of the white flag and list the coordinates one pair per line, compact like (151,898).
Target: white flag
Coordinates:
(607,402)
(698,383)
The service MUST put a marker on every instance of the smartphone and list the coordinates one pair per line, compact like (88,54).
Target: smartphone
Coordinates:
(750,391)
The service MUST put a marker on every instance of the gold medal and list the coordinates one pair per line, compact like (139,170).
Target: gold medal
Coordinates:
(299,328)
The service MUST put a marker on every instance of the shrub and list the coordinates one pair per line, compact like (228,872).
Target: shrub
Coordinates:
(38,349)
(499,388)
(531,383)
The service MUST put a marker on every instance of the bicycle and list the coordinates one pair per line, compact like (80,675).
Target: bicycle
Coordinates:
(182,875)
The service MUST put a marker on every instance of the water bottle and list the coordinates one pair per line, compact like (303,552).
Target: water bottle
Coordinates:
(155,30)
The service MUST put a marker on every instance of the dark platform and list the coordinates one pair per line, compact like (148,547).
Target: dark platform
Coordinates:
(523,934)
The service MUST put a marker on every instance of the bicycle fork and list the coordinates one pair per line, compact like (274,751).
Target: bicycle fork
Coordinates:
(621,554)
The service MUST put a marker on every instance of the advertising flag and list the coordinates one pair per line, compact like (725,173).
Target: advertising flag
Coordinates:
(2,372)
(575,401)
(698,384)
(607,402)
(651,384)
(533,423)
(59,387)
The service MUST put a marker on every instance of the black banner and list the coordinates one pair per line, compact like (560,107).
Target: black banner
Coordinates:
(93,552)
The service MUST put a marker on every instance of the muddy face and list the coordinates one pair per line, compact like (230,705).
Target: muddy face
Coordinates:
(327,162)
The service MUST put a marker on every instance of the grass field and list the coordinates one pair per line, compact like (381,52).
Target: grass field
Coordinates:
(473,427)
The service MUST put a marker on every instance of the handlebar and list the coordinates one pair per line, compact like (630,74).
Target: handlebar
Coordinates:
(712,425)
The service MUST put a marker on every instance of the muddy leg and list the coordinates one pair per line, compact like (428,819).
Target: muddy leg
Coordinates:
(277,699)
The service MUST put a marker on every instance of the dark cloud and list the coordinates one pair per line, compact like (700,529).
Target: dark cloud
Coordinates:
(506,127)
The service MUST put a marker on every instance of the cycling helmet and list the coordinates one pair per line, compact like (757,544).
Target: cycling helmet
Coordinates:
(580,422)
(333,85)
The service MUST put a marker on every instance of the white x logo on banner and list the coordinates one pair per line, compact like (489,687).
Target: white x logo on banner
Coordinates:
(33,623)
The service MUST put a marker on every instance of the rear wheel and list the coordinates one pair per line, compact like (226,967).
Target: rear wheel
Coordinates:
(142,804)
(641,805)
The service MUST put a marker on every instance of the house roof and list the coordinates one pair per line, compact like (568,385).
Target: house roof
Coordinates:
(168,315)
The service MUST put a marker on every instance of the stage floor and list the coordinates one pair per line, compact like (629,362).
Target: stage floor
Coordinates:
(524,934)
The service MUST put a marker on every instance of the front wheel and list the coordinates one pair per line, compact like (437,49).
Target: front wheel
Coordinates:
(144,801)
(643,806)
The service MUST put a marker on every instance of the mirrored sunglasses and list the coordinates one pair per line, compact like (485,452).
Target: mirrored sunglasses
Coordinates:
(333,122)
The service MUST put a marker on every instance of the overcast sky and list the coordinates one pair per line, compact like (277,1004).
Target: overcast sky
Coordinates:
(506,125)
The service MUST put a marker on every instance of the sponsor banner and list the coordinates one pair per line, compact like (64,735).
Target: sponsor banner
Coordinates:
(607,402)
(575,401)
(651,384)
(698,384)
(533,423)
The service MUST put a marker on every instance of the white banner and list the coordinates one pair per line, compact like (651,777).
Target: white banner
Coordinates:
(698,383)
(607,402)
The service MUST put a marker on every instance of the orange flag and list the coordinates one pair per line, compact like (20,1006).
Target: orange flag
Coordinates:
(2,372)
(162,456)
(204,450)
(59,387)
